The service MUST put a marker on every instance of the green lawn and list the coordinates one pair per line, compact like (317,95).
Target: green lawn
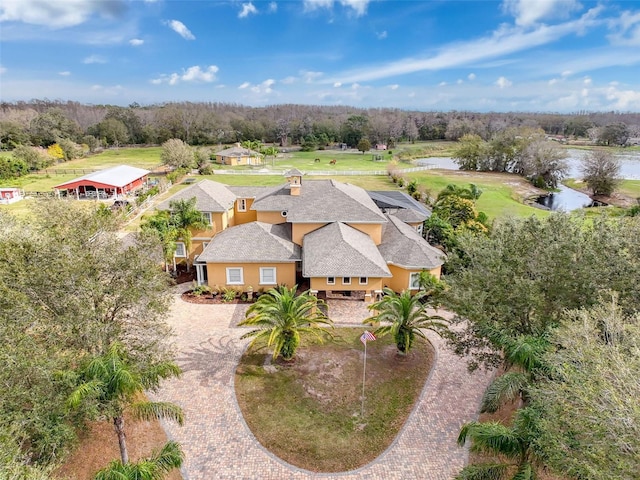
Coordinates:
(147,157)
(631,188)
(307,411)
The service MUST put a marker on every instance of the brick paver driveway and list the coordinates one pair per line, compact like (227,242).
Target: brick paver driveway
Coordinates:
(218,444)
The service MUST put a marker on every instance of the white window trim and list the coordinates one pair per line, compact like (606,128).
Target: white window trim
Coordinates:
(183,250)
(241,282)
(262,281)
(242,204)
(419,228)
(411,275)
(366,281)
(208,218)
(331,282)
(346,280)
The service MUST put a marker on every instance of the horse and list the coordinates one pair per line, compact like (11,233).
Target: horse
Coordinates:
(333,162)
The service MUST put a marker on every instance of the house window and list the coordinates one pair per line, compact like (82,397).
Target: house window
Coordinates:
(331,280)
(234,276)
(364,280)
(267,275)
(414,280)
(206,216)
(419,228)
(242,204)
(346,280)
(181,250)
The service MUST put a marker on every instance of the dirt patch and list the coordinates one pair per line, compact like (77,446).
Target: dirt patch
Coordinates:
(98,446)
(309,411)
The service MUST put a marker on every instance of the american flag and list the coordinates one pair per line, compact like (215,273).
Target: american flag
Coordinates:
(367,336)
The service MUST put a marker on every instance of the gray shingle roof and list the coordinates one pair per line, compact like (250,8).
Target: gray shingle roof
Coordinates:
(400,204)
(242,191)
(254,242)
(210,197)
(322,201)
(294,172)
(236,152)
(403,246)
(338,250)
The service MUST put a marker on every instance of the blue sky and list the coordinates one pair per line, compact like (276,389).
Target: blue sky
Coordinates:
(510,55)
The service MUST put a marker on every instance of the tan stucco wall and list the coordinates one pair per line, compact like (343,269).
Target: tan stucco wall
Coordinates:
(320,284)
(299,230)
(374,230)
(245,217)
(239,160)
(270,217)
(217,275)
(400,279)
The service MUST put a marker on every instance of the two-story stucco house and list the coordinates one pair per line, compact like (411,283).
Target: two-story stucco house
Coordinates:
(333,237)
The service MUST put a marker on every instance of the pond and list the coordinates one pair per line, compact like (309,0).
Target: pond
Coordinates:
(566,198)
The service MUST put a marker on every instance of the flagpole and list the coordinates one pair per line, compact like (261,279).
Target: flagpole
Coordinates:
(364,372)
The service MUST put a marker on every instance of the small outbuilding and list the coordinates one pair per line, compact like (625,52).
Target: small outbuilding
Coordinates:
(112,183)
(10,195)
(238,155)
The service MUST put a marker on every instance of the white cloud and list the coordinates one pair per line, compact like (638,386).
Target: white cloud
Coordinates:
(358,7)
(585,92)
(626,29)
(108,90)
(355,86)
(587,81)
(273,7)
(288,80)
(64,74)
(553,81)
(181,29)
(566,73)
(244,85)
(264,87)
(94,59)
(193,74)
(471,76)
(395,86)
(136,42)
(530,12)
(337,85)
(624,99)
(247,9)
(442,84)
(3,70)
(59,13)
(504,41)
(502,82)
(310,76)
(381,35)
(459,81)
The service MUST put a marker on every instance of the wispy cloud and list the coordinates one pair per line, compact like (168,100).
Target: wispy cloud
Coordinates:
(273,7)
(358,7)
(64,74)
(244,85)
(58,14)
(471,76)
(529,12)
(136,42)
(193,74)
(3,70)
(506,40)
(181,29)
(626,29)
(381,35)
(247,9)
(94,59)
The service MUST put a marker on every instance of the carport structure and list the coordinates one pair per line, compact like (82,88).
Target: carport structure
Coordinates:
(114,182)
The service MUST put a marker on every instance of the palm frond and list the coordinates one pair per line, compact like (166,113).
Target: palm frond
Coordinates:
(169,457)
(486,471)
(115,470)
(82,391)
(491,437)
(157,410)
(525,472)
(503,389)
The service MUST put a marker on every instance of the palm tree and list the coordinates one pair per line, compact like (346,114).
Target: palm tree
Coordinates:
(513,444)
(406,315)
(156,467)
(471,193)
(160,222)
(114,383)
(185,217)
(281,316)
(271,152)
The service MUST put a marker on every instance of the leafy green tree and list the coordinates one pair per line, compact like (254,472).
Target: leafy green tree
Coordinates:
(601,172)
(513,446)
(52,126)
(614,134)
(12,134)
(407,316)
(160,223)
(364,145)
(36,158)
(177,154)
(156,467)
(280,316)
(470,193)
(438,231)
(185,217)
(590,421)
(114,382)
(455,210)
(111,131)
(271,152)
(544,163)
(11,168)
(470,152)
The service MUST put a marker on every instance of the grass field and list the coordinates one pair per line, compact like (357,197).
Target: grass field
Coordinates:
(147,157)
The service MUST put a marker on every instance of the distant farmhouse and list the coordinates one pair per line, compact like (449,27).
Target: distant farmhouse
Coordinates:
(238,155)
(332,237)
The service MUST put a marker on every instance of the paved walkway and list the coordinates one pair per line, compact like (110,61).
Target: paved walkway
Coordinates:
(219,445)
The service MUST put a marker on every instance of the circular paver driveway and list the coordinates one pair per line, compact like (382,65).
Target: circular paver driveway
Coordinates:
(219,445)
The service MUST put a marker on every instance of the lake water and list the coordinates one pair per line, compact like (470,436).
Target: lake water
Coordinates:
(566,198)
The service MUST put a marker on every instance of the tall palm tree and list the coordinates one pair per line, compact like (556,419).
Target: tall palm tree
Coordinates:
(512,445)
(406,315)
(471,193)
(271,152)
(281,316)
(156,467)
(185,217)
(114,383)
(160,222)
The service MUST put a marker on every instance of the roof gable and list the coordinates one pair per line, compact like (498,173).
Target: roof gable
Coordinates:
(210,197)
(403,246)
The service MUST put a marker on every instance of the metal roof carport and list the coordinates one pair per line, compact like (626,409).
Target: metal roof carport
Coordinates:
(119,180)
